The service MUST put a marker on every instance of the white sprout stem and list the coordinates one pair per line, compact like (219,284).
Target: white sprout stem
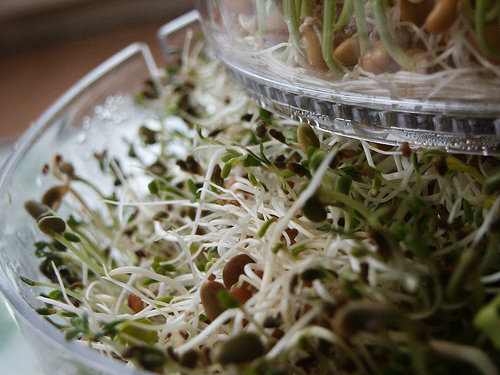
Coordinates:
(282,223)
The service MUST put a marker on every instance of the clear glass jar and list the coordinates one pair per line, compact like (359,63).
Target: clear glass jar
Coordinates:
(422,72)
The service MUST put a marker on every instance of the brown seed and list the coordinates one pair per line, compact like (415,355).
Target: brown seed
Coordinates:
(313,49)
(277,135)
(415,13)
(377,60)
(442,16)
(210,300)
(242,294)
(148,136)
(53,197)
(261,130)
(297,168)
(272,321)
(66,168)
(135,303)
(441,165)
(349,51)
(36,209)
(405,149)
(234,268)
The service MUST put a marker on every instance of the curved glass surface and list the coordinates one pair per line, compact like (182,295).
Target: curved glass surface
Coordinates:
(93,115)
(431,89)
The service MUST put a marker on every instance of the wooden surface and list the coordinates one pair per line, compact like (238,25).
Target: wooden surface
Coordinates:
(32,77)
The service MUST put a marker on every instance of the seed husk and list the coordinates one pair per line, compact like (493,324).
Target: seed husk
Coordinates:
(314,210)
(349,51)
(51,224)
(135,303)
(244,347)
(307,137)
(53,197)
(210,300)
(313,49)
(242,294)
(36,209)
(234,268)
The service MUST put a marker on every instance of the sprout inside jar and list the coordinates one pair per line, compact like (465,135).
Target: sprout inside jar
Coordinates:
(414,49)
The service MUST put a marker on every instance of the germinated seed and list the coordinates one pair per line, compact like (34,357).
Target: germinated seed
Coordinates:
(66,168)
(316,158)
(411,11)
(377,60)
(149,336)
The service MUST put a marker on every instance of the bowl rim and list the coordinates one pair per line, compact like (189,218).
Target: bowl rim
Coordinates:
(21,309)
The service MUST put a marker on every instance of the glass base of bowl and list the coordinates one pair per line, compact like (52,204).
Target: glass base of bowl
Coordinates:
(347,115)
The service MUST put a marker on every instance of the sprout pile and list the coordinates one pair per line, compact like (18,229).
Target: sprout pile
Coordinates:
(418,49)
(247,243)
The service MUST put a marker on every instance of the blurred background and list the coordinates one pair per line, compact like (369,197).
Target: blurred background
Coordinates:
(48,45)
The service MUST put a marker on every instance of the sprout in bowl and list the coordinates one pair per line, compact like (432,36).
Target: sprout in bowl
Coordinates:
(196,232)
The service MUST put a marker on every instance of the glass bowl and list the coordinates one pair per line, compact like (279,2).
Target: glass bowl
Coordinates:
(366,69)
(96,113)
